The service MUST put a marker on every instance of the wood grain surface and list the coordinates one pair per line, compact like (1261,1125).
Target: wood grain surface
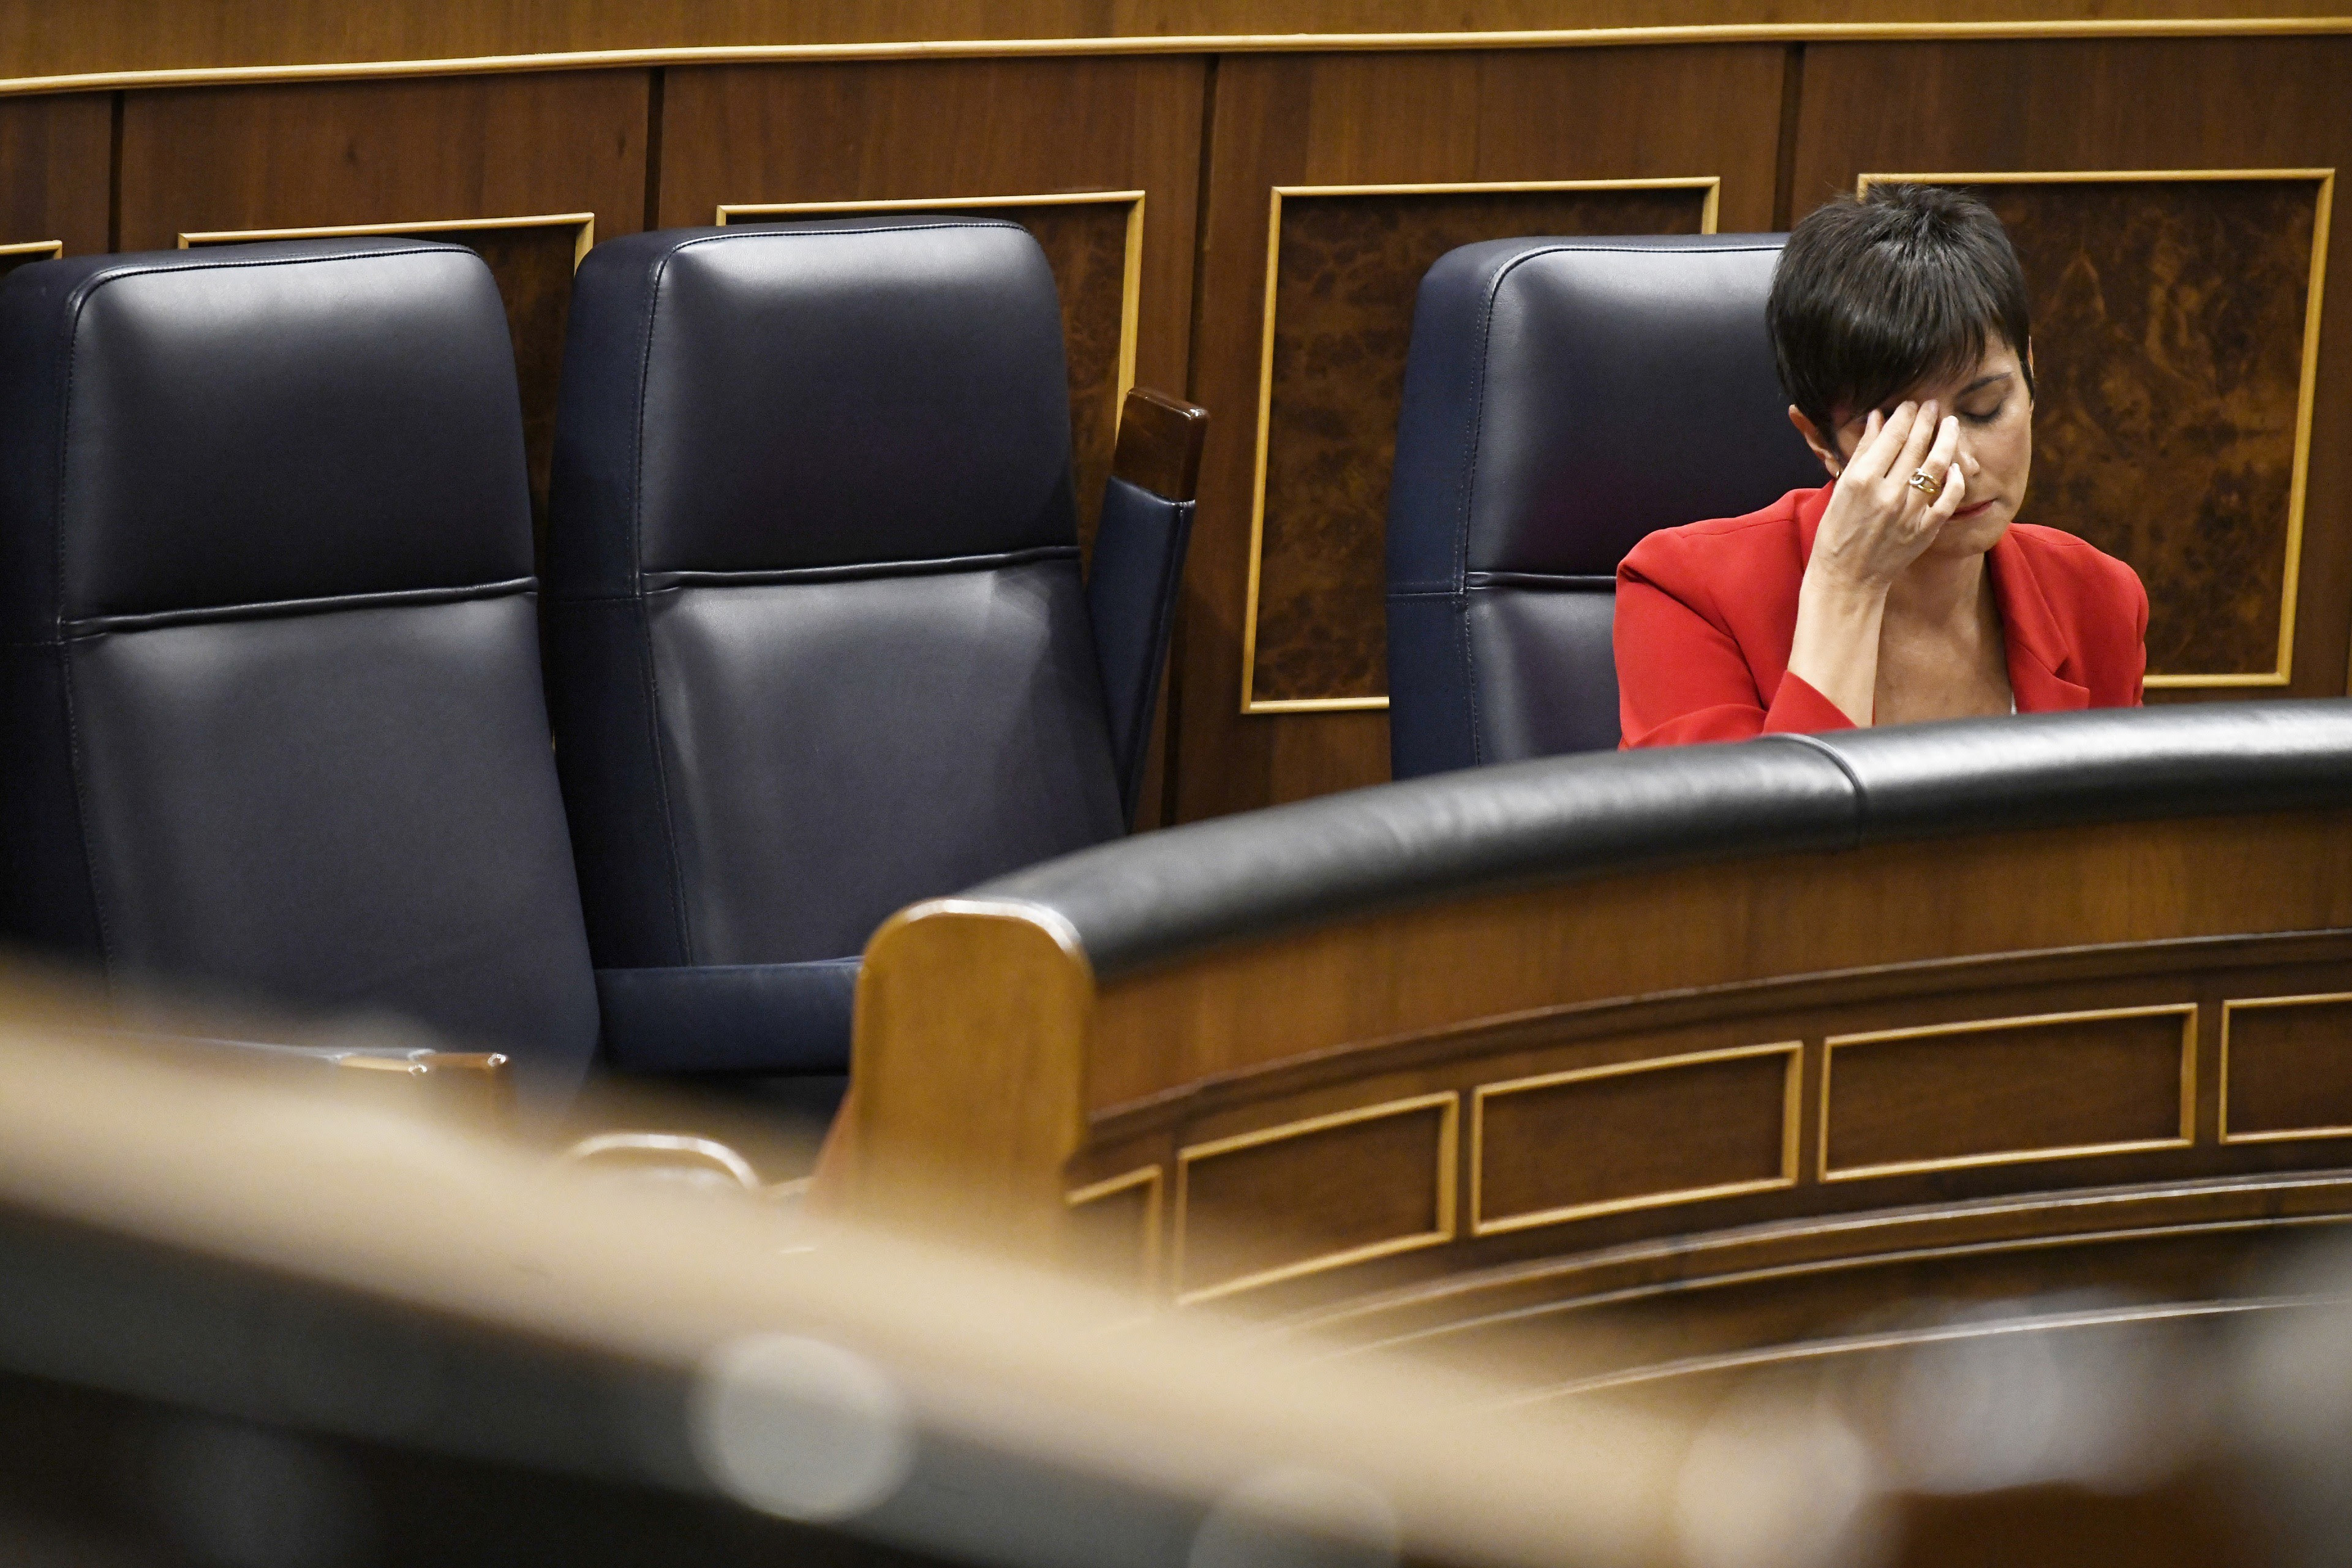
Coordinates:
(401,152)
(2016,1031)
(121,35)
(54,153)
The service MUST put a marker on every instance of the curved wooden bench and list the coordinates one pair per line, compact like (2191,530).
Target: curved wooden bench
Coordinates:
(1776,1034)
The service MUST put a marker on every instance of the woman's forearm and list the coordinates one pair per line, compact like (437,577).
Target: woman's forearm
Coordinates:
(1836,649)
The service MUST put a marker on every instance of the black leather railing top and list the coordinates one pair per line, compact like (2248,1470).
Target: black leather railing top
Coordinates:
(1140,900)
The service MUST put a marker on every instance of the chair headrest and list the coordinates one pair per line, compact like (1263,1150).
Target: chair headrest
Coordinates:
(1564,398)
(190,430)
(836,393)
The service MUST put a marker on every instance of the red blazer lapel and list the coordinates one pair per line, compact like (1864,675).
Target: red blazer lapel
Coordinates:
(2040,661)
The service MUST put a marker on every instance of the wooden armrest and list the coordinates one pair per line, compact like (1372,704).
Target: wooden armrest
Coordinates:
(1158,446)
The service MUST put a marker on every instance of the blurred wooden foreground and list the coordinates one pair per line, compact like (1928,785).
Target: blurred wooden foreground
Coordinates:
(281,1316)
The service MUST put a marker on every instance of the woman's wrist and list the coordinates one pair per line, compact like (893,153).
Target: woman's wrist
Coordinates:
(1822,584)
(1834,648)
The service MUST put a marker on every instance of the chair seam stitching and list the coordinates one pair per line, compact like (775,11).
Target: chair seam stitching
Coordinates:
(644,617)
(64,659)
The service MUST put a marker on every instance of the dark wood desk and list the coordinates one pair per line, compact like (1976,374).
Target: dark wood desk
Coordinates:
(1689,1113)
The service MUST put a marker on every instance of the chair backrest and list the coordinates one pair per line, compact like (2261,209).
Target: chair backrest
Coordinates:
(1563,397)
(270,675)
(818,639)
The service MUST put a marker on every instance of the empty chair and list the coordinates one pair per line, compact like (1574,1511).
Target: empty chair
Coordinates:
(269,678)
(819,642)
(1563,398)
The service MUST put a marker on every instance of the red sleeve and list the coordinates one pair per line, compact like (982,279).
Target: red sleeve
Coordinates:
(2139,638)
(1681,676)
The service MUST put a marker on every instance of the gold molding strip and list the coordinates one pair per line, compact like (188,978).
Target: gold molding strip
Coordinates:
(1188,44)
(1251,704)
(54,247)
(2283,1134)
(1147,1177)
(1445,1101)
(2185,1011)
(1130,300)
(2290,580)
(583,242)
(1791,1109)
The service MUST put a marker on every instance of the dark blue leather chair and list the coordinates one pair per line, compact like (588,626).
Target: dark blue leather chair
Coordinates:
(1563,398)
(819,644)
(269,673)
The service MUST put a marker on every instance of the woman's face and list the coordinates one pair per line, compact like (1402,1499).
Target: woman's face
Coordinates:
(1996,450)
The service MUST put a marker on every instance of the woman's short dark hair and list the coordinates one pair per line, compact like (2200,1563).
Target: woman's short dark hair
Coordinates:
(1875,295)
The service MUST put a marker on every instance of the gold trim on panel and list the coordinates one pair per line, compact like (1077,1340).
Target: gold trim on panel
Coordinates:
(1130,300)
(1711,183)
(581,245)
(2186,1011)
(1791,1107)
(1448,1144)
(55,247)
(1146,1176)
(2290,580)
(2285,1135)
(1185,44)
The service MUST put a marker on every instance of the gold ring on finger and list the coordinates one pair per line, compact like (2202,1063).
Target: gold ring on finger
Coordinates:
(1927,484)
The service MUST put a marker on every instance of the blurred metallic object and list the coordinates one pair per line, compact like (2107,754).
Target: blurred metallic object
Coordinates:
(679,1156)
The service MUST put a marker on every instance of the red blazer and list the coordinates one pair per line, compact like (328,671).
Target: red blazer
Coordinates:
(1705,614)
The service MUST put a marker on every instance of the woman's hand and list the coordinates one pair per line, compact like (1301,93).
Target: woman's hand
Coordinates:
(1876,525)
(1878,521)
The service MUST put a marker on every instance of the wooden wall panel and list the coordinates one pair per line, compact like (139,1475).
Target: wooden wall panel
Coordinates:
(408,153)
(54,153)
(396,152)
(1311,1196)
(2171,310)
(146,35)
(1347,119)
(2286,1071)
(1989,1091)
(1563,1145)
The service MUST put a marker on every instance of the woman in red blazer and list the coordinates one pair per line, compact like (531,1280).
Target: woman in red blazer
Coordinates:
(1904,589)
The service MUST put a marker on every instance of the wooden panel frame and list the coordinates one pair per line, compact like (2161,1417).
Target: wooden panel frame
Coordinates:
(1448,1102)
(581,243)
(2281,1135)
(1149,1178)
(1130,296)
(54,247)
(1791,1114)
(1711,183)
(2185,1011)
(2282,671)
(1112,45)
